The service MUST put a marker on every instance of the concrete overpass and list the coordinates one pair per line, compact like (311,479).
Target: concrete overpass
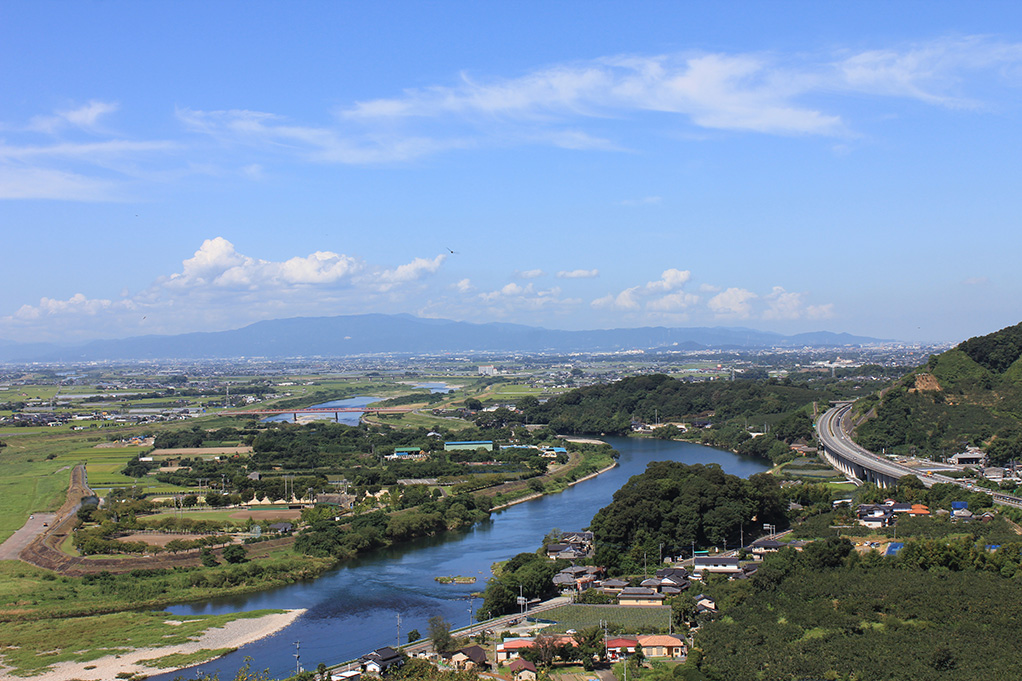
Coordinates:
(861,465)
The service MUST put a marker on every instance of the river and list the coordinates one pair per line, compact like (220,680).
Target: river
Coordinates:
(354,608)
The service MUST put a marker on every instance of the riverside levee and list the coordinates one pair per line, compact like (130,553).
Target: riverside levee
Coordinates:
(355,608)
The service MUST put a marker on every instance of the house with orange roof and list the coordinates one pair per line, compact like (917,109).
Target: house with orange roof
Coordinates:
(661,645)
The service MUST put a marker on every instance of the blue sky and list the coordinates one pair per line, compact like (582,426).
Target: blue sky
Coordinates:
(171,167)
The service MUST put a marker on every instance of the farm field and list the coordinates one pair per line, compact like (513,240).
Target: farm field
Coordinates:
(626,618)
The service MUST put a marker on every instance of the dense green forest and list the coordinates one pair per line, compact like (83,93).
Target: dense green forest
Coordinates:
(970,395)
(671,506)
(941,609)
(723,410)
(611,408)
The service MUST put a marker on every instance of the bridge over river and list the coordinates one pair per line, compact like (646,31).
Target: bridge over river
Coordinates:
(861,465)
(318,410)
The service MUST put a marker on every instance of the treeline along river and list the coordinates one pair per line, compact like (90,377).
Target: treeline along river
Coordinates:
(354,608)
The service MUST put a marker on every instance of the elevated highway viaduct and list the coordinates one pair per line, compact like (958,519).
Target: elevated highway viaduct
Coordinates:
(861,465)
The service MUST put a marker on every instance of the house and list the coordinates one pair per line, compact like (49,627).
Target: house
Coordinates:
(613,585)
(510,649)
(705,604)
(380,660)
(712,565)
(522,670)
(351,675)
(617,647)
(875,516)
(637,595)
(470,657)
(766,545)
(282,528)
(918,510)
(660,645)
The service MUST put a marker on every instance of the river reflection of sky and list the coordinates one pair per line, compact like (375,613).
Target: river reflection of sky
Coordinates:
(354,608)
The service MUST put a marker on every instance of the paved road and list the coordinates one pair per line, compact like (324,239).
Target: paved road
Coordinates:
(496,624)
(33,527)
(836,438)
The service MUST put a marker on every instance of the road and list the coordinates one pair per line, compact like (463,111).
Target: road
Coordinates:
(495,625)
(33,527)
(835,438)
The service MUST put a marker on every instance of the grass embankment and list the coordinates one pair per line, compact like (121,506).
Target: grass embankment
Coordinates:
(32,647)
(28,593)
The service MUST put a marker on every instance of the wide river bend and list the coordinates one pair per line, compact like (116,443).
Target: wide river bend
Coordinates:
(354,608)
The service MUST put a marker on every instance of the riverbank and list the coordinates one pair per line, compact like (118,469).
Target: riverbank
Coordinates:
(215,641)
(537,495)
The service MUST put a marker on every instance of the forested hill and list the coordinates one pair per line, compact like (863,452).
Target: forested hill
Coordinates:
(672,506)
(611,408)
(970,395)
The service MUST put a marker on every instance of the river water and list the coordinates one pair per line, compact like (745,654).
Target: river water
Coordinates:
(354,608)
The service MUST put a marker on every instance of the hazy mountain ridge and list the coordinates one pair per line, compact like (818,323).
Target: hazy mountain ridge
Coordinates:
(380,333)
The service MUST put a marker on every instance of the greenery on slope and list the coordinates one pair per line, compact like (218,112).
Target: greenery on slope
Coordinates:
(942,609)
(671,506)
(970,395)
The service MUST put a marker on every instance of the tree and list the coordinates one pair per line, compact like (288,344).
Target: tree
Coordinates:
(208,558)
(414,635)
(235,553)
(440,634)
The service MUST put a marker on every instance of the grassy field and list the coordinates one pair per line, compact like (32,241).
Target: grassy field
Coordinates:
(32,647)
(624,618)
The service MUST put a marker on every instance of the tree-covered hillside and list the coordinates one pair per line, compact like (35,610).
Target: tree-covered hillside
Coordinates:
(970,395)
(671,506)
(733,408)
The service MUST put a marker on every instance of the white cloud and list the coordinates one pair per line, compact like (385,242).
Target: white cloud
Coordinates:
(732,302)
(85,117)
(626,300)
(631,298)
(670,280)
(825,311)
(416,269)
(219,287)
(464,286)
(578,274)
(673,302)
(782,304)
(531,274)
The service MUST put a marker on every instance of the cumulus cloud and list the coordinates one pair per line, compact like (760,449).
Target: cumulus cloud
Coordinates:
(218,285)
(732,302)
(578,274)
(531,274)
(631,298)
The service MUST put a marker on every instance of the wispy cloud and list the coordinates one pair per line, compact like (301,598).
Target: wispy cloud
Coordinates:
(578,274)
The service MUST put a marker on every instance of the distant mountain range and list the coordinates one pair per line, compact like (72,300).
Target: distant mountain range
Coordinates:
(407,334)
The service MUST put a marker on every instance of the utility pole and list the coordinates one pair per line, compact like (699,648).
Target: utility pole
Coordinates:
(298,657)
(399,628)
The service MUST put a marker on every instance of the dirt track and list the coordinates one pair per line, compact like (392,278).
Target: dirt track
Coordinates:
(44,550)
